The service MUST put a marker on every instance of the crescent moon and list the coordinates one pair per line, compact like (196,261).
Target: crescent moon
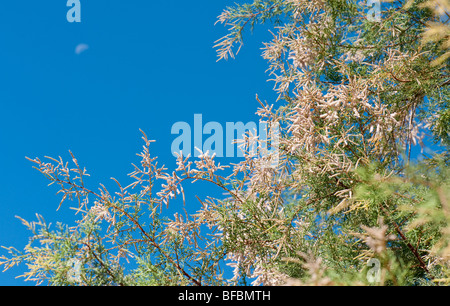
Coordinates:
(81,48)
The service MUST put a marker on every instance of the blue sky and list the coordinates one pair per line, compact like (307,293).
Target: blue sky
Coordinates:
(149,64)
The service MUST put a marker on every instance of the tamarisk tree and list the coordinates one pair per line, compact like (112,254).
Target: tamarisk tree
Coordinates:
(346,204)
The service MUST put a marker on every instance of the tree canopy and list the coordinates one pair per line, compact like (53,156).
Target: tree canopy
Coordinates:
(346,202)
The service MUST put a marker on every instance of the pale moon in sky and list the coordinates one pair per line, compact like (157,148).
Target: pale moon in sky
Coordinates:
(81,48)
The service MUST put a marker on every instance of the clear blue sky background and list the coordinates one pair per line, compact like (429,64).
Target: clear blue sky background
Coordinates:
(149,65)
